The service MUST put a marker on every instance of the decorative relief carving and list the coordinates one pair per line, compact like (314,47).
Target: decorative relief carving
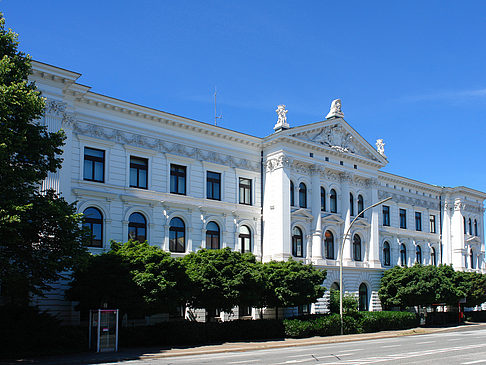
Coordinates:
(275,163)
(474,209)
(345,177)
(164,146)
(55,107)
(339,139)
(458,206)
(408,200)
(335,137)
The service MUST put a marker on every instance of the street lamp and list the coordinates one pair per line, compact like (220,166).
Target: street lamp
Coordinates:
(341,260)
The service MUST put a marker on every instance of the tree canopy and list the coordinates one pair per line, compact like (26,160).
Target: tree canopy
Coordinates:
(40,235)
(222,279)
(291,283)
(419,286)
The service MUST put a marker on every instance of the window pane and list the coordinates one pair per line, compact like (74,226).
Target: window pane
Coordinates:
(133,177)
(88,170)
(97,231)
(142,178)
(181,184)
(98,171)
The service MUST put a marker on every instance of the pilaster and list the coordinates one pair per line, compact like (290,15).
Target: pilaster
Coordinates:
(316,213)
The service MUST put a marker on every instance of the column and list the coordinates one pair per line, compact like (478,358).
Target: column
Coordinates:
(346,214)
(457,236)
(276,209)
(374,253)
(316,214)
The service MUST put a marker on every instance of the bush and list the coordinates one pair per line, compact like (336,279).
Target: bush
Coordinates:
(476,316)
(198,333)
(354,322)
(386,321)
(24,331)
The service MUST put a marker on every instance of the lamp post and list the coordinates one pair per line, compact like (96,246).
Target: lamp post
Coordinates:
(341,260)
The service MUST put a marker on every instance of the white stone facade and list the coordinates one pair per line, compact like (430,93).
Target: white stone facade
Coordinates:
(329,157)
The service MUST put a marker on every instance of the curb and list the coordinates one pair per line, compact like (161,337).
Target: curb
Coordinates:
(224,348)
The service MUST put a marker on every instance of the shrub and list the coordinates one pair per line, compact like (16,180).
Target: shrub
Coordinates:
(198,333)
(385,321)
(476,316)
(24,331)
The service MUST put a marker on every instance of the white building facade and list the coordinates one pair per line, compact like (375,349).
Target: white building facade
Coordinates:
(183,185)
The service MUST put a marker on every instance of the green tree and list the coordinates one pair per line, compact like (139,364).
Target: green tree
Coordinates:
(291,283)
(222,279)
(350,303)
(135,277)
(39,232)
(418,286)
(473,285)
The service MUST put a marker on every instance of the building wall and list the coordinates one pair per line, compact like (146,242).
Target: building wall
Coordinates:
(303,154)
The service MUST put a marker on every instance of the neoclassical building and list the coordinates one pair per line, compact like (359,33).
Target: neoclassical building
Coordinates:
(182,185)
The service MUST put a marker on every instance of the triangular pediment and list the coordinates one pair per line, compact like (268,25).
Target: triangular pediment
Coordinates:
(332,218)
(337,135)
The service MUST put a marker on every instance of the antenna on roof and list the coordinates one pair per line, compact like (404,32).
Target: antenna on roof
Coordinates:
(216,116)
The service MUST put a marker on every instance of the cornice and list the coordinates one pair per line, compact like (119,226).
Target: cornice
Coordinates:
(164,146)
(414,201)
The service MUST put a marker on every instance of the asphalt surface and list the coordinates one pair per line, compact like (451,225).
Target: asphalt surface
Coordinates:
(464,345)
(457,347)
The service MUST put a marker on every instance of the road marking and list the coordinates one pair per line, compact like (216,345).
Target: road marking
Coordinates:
(473,362)
(243,361)
(301,355)
(423,343)
(394,357)
(384,347)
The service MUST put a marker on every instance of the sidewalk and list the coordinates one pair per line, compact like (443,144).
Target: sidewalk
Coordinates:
(153,353)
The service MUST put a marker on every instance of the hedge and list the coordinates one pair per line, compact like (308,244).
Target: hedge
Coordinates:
(198,333)
(476,316)
(357,322)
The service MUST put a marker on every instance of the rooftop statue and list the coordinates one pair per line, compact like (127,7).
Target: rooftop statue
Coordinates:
(335,111)
(282,118)
(380,147)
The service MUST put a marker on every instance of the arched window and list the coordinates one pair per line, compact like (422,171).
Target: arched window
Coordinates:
(245,239)
(386,254)
(357,248)
(433,257)
(471,258)
(302,195)
(333,201)
(360,204)
(292,199)
(137,227)
(177,235)
(403,255)
(363,297)
(470,226)
(351,204)
(323,199)
(329,243)
(335,286)
(93,221)
(297,248)
(212,236)
(418,254)
(476,228)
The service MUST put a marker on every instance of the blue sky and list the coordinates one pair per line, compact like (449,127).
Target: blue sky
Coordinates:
(410,72)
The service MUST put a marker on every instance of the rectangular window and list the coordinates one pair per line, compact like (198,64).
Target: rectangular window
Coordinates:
(432,224)
(403,218)
(94,165)
(386,215)
(245,191)
(177,179)
(138,172)
(418,221)
(213,185)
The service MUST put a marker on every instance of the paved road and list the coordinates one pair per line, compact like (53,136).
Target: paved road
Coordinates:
(465,347)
